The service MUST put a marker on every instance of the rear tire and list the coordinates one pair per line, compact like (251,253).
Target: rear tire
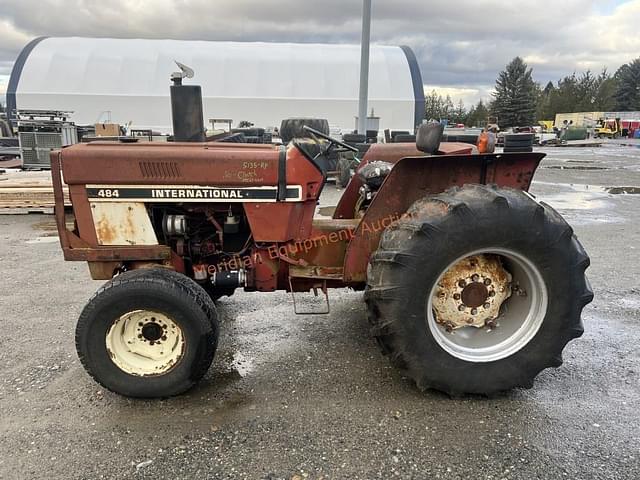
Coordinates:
(344,172)
(408,268)
(148,333)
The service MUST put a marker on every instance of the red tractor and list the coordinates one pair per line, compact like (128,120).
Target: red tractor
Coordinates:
(471,285)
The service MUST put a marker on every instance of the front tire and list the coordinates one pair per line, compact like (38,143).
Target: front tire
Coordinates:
(477,290)
(148,333)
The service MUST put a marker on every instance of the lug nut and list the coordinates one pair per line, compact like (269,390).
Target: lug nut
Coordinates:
(474,311)
(456,296)
(462,283)
(487,305)
(492,293)
(461,308)
(487,281)
(475,277)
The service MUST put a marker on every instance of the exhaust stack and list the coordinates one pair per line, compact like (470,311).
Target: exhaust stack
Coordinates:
(186,108)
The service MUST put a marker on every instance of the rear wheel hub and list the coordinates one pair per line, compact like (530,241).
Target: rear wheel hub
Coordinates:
(471,292)
(498,289)
(474,294)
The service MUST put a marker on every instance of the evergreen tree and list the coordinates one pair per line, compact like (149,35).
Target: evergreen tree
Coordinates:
(544,109)
(478,115)
(583,93)
(605,96)
(627,94)
(459,113)
(448,110)
(516,95)
(433,106)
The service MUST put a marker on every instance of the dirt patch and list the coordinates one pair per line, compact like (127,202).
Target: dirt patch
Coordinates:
(46,225)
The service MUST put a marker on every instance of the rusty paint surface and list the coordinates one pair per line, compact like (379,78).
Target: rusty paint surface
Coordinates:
(169,163)
(121,224)
(471,292)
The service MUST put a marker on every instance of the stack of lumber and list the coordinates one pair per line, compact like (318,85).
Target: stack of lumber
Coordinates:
(24,192)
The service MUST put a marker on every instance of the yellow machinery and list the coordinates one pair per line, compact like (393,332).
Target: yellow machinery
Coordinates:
(547,125)
(608,128)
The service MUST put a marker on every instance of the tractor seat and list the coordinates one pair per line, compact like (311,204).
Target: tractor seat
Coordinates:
(429,137)
(374,173)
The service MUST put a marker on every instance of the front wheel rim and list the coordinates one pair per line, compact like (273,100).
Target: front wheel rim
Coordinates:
(145,343)
(520,318)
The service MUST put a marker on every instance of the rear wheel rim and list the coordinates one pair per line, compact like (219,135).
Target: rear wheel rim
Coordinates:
(145,343)
(520,319)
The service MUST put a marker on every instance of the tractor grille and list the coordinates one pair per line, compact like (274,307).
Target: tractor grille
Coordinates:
(160,170)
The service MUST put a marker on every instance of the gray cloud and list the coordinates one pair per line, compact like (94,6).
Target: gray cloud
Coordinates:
(460,45)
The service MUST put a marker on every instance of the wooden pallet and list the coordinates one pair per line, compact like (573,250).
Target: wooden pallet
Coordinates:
(27,192)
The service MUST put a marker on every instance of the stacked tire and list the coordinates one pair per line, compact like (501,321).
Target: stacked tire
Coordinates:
(404,138)
(291,128)
(354,138)
(253,135)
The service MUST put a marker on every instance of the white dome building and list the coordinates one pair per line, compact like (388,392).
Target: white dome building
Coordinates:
(128,81)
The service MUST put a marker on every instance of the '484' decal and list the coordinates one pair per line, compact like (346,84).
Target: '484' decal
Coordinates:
(108,193)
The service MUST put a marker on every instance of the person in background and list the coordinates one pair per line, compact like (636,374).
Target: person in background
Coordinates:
(487,139)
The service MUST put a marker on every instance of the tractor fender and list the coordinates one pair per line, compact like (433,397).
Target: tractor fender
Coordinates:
(413,178)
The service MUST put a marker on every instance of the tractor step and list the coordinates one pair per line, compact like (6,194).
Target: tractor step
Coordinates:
(318,307)
(316,272)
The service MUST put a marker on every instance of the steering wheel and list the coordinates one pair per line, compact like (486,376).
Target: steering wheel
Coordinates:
(332,141)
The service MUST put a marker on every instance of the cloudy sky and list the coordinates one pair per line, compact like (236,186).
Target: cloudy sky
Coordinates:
(461,45)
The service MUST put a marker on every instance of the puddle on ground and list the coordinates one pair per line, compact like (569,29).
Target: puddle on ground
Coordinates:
(575,200)
(594,189)
(623,190)
(581,203)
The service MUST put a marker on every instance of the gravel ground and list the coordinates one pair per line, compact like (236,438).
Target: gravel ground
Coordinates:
(292,397)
